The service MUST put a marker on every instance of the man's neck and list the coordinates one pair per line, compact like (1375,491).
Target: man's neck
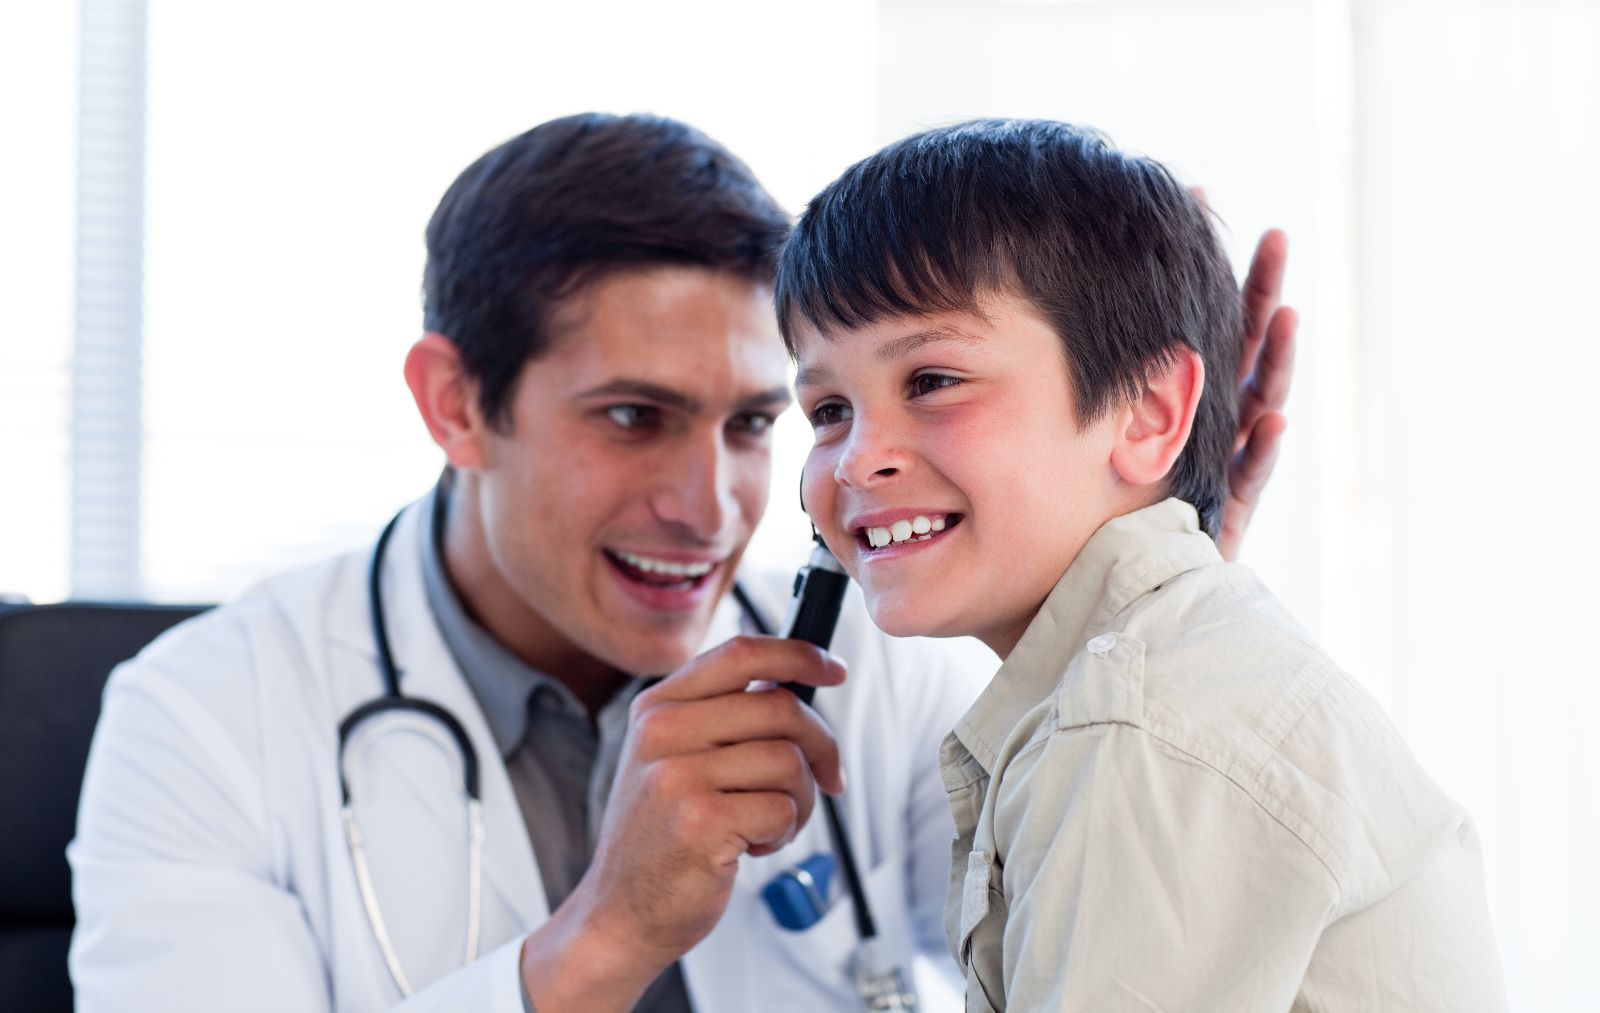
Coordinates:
(495,605)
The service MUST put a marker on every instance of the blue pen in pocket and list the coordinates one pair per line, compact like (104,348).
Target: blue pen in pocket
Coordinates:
(798,896)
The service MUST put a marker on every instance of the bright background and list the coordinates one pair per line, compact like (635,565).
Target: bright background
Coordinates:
(1435,518)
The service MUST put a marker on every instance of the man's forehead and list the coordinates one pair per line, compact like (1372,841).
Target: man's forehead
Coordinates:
(675,334)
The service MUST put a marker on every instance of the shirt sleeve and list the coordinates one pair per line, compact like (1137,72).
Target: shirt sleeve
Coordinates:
(1139,878)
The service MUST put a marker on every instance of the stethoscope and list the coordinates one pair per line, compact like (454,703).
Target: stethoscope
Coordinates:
(437,724)
(813,614)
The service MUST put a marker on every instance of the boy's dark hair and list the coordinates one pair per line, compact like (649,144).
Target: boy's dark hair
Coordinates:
(1113,253)
(544,214)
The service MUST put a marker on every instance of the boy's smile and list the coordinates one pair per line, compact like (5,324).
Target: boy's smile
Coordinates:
(884,532)
(949,473)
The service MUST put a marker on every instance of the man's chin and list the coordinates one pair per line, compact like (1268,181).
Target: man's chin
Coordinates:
(652,638)
(646,652)
(653,663)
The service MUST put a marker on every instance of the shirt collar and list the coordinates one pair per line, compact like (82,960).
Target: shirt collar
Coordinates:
(503,683)
(1128,557)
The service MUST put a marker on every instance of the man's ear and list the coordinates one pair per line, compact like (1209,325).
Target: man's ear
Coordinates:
(447,399)
(1155,426)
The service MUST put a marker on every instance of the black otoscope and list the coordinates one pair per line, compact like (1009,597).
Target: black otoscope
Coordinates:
(819,590)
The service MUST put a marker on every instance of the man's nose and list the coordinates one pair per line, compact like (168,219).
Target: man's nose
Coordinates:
(696,487)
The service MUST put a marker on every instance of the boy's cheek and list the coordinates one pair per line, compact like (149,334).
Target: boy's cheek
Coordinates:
(819,499)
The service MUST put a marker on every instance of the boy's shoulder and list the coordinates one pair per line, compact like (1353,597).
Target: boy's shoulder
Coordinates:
(1214,669)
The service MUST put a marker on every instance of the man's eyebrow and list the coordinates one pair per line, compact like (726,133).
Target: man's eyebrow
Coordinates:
(894,349)
(645,390)
(771,396)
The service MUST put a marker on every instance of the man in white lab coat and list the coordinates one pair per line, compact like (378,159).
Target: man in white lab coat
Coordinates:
(601,368)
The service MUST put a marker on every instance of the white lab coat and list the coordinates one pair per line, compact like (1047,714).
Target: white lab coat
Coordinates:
(211,872)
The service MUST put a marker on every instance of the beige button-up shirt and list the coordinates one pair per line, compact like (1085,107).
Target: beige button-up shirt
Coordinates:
(1169,799)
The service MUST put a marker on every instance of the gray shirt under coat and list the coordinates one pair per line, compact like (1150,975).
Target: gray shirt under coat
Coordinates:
(560,762)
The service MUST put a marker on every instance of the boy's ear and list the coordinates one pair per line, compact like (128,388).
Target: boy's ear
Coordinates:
(1155,426)
(447,399)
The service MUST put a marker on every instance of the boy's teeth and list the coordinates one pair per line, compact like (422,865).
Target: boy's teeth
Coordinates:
(671,569)
(904,530)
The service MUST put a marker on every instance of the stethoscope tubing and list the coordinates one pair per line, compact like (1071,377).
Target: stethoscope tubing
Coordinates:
(393,701)
(424,714)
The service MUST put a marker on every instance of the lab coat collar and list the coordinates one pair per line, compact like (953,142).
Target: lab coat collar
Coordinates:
(1128,557)
(428,672)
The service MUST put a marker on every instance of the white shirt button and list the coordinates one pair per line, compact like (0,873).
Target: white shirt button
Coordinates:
(1102,644)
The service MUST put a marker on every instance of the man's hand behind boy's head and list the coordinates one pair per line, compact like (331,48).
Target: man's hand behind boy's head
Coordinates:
(1266,367)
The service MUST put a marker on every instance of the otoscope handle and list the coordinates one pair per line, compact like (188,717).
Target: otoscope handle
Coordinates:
(819,590)
(813,613)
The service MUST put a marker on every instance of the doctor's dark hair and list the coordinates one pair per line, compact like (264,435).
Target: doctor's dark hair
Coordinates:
(1107,247)
(557,208)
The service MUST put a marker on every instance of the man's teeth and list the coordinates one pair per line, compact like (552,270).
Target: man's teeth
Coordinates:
(663,566)
(919,527)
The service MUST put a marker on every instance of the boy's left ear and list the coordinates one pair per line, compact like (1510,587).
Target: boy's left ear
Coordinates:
(1155,427)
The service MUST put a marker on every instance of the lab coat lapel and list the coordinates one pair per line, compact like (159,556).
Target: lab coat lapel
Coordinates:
(428,672)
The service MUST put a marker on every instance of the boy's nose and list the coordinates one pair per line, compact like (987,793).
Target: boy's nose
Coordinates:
(871,457)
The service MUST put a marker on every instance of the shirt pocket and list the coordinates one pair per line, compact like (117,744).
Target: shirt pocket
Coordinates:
(981,928)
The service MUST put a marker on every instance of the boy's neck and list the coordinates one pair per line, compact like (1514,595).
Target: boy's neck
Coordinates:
(1003,641)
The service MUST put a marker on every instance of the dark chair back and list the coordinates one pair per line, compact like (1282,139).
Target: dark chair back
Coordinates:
(54,660)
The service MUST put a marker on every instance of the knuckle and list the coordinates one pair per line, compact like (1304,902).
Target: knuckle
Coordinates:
(672,779)
(657,731)
(791,760)
(645,726)
(697,817)
(642,704)
(785,810)
(782,706)
(740,650)
(784,761)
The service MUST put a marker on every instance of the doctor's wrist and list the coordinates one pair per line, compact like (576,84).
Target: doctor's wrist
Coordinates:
(571,963)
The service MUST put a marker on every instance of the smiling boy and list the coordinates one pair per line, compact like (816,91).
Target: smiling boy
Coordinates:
(1015,347)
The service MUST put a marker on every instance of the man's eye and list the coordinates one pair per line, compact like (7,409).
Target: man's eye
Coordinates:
(633,416)
(927,383)
(829,413)
(752,423)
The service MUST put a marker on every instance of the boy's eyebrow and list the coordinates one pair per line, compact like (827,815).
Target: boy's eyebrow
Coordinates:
(908,343)
(896,348)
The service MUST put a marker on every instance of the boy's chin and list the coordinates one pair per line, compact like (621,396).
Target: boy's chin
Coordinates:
(901,619)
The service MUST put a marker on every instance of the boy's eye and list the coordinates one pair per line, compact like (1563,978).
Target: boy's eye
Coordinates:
(752,423)
(634,416)
(829,413)
(927,383)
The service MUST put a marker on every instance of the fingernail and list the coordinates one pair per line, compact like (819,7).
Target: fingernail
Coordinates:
(844,783)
